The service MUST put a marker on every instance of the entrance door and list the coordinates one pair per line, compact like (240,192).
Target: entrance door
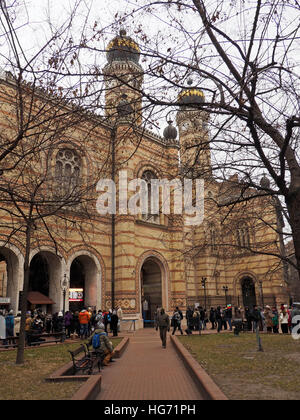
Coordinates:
(151,279)
(77,286)
(248,290)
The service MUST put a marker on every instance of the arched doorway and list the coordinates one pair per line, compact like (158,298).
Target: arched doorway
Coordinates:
(10,271)
(248,291)
(83,283)
(45,276)
(151,289)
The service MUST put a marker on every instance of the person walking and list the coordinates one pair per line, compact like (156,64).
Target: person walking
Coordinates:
(163,324)
(284,320)
(176,322)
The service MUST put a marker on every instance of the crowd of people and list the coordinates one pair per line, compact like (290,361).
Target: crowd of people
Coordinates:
(220,318)
(75,324)
(266,319)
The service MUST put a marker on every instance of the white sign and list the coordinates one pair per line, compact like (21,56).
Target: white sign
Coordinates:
(4,300)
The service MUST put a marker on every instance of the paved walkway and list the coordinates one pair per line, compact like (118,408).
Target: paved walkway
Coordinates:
(146,371)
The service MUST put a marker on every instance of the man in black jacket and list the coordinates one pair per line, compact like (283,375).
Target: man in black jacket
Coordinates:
(163,323)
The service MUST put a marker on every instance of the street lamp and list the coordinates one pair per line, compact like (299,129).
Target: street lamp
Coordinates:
(203,282)
(225,288)
(261,293)
(64,287)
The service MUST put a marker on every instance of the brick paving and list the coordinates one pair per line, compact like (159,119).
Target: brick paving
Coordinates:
(146,371)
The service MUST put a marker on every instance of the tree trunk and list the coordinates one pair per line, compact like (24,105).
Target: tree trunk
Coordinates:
(21,344)
(293,206)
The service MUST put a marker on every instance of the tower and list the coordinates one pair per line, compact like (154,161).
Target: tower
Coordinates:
(193,132)
(123,77)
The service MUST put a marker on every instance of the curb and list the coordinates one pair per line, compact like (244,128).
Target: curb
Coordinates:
(121,347)
(206,385)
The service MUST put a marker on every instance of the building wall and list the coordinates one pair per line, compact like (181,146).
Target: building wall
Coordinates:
(184,254)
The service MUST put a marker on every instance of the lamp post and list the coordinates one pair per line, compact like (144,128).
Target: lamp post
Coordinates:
(64,286)
(203,282)
(262,293)
(225,288)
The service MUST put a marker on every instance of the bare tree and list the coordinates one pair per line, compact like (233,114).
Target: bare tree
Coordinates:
(244,58)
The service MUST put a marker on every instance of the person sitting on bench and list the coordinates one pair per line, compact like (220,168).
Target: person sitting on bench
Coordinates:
(101,344)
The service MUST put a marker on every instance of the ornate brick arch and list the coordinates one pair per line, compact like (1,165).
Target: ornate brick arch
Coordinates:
(93,255)
(146,166)
(165,277)
(237,282)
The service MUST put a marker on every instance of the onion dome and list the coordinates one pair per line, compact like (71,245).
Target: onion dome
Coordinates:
(191,95)
(123,48)
(265,182)
(124,108)
(170,132)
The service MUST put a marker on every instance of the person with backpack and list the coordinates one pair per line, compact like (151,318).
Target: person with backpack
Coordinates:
(176,321)
(102,345)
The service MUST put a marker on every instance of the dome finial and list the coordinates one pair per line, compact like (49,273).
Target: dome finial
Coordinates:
(170,132)
(122,31)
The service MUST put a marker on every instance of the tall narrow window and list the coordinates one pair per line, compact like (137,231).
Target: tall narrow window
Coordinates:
(152,218)
(67,172)
(243,236)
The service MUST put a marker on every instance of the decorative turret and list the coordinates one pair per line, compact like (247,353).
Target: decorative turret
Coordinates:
(265,182)
(123,75)
(170,133)
(191,96)
(194,140)
(123,48)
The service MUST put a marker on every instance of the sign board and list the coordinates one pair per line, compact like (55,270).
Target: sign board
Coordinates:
(4,300)
(75,295)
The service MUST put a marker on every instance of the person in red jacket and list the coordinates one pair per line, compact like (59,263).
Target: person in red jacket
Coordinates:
(84,319)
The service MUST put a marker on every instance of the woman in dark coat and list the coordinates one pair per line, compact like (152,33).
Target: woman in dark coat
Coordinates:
(114,323)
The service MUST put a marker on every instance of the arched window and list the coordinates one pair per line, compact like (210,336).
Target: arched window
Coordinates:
(67,172)
(243,236)
(152,218)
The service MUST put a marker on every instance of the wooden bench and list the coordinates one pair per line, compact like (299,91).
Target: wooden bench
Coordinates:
(84,363)
(95,356)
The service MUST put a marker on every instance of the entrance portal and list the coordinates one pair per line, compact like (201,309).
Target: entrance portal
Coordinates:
(77,286)
(84,276)
(151,280)
(248,289)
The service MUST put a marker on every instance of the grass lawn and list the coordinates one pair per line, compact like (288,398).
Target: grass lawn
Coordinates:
(242,372)
(27,382)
